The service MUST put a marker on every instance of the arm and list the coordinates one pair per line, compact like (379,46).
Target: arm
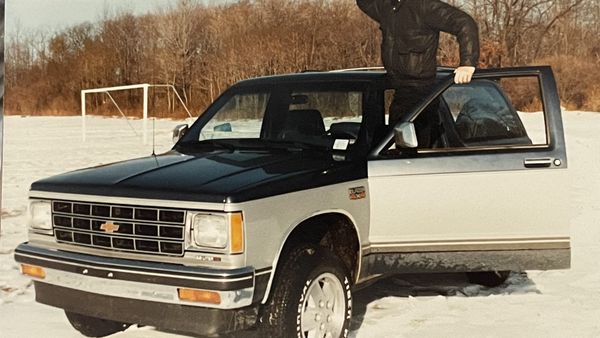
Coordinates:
(369,7)
(441,16)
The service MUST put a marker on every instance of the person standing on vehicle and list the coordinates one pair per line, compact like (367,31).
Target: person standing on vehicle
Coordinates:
(410,39)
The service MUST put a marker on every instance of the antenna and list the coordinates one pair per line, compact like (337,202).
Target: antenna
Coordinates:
(153,140)
(153,136)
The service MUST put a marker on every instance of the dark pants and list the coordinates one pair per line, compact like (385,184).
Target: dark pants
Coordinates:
(406,98)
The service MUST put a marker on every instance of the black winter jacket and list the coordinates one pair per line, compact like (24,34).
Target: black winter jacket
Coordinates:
(410,35)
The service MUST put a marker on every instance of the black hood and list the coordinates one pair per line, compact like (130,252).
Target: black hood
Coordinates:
(222,176)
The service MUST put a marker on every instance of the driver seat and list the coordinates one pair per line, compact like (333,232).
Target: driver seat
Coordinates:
(301,124)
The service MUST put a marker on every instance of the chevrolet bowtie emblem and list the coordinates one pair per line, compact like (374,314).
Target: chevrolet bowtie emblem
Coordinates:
(109,227)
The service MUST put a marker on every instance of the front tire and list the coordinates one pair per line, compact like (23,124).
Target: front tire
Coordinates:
(94,327)
(311,297)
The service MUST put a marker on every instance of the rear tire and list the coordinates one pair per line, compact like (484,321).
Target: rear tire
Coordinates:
(311,295)
(94,327)
(488,278)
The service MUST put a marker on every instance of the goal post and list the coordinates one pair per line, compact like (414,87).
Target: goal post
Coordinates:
(144,87)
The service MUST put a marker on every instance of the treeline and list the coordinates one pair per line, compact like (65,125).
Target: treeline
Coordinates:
(201,50)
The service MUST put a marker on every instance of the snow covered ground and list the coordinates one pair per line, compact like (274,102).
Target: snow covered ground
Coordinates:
(536,304)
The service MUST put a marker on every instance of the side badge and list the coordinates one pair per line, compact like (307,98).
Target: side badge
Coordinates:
(357,193)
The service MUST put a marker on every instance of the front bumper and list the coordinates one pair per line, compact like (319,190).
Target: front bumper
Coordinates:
(145,292)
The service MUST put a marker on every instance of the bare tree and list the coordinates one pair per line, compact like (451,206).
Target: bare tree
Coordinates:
(202,49)
(520,26)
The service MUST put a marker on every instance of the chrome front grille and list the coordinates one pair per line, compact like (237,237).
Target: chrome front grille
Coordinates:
(120,227)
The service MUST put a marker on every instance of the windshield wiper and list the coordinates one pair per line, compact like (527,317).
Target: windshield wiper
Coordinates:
(216,144)
(294,145)
(255,144)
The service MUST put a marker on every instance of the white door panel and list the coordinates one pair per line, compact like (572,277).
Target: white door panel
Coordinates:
(502,205)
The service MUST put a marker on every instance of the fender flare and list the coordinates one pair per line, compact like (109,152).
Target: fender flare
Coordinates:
(286,236)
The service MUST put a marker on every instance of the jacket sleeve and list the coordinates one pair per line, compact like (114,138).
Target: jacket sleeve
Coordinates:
(441,16)
(370,8)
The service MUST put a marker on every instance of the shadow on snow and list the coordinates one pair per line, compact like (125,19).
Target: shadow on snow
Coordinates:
(433,284)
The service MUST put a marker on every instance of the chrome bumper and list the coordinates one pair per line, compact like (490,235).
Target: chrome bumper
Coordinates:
(144,281)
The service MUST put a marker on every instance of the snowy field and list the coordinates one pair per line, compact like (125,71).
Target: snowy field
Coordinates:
(536,304)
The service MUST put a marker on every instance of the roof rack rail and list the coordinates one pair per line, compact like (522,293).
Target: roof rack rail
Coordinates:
(356,69)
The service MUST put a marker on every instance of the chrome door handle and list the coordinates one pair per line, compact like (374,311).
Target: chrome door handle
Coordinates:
(537,162)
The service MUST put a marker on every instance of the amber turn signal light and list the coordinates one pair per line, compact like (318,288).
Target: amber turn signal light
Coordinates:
(33,271)
(237,233)
(203,296)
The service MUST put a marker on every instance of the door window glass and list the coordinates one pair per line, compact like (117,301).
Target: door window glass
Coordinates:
(487,113)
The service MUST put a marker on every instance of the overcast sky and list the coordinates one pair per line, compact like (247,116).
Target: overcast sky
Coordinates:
(32,15)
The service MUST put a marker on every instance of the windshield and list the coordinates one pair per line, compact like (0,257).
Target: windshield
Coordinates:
(323,116)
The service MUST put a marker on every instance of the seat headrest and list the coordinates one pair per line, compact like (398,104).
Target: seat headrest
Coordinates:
(305,121)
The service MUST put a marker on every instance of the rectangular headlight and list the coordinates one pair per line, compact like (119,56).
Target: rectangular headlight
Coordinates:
(40,216)
(210,230)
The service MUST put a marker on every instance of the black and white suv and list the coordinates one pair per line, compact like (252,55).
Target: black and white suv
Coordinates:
(289,191)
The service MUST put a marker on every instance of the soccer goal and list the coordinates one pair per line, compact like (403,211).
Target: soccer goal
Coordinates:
(144,87)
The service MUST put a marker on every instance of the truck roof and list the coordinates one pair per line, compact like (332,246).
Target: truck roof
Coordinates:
(356,74)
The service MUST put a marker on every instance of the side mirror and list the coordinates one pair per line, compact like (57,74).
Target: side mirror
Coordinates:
(405,135)
(179,131)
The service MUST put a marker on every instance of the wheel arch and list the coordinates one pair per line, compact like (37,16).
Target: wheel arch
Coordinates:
(319,228)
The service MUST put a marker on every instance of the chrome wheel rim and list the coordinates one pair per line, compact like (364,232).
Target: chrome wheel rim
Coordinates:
(324,307)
